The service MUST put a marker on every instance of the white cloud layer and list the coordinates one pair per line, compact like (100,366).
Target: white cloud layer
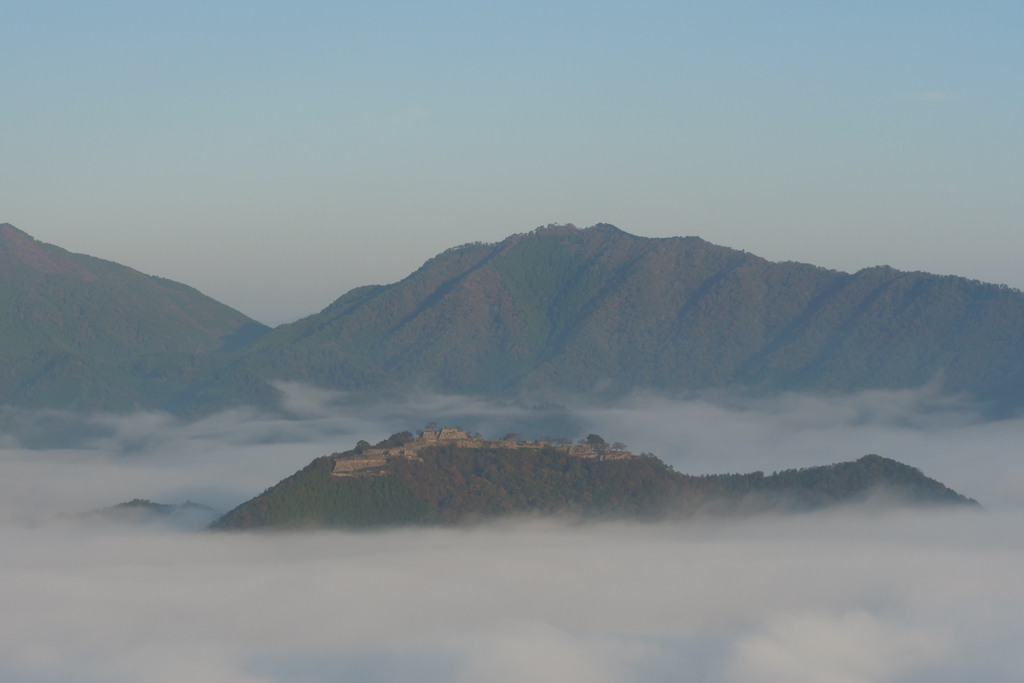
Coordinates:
(839,597)
(830,599)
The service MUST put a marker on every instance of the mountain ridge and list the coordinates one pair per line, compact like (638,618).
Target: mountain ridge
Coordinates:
(73,325)
(579,310)
(550,313)
(439,482)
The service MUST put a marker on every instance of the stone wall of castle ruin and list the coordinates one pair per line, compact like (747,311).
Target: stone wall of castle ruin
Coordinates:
(347,467)
(378,457)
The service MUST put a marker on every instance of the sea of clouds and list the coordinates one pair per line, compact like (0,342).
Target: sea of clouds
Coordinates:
(844,596)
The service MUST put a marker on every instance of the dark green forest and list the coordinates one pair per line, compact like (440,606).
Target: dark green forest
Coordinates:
(452,485)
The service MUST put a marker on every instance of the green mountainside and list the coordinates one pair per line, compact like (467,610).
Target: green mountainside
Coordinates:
(74,328)
(544,315)
(447,484)
(567,310)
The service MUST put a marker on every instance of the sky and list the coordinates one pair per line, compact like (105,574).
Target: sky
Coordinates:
(275,155)
(851,595)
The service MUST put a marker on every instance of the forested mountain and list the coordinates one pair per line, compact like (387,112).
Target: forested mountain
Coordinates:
(447,484)
(73,327)
(567,310)
(554,312)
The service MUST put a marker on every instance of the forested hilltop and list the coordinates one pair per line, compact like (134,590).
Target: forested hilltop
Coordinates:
(562,310)
(85,333)
(547,314)
(449,483)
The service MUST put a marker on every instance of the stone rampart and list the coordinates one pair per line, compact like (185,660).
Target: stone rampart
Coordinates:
(349,466)
(371,460)
(616,455)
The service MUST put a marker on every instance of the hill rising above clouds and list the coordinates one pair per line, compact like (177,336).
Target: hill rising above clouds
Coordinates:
(569,310)
(404,481)
(72,327)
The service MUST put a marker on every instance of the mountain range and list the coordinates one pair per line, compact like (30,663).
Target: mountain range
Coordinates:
(553,312)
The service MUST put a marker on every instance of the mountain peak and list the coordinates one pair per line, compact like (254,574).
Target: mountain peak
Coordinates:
(67,319)
(570,229)
(561,310)
(18,247)
(10,235)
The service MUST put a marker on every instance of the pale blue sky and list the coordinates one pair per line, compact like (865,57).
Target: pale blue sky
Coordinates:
(276,155)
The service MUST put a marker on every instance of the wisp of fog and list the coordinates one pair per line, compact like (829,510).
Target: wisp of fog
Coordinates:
(843,596)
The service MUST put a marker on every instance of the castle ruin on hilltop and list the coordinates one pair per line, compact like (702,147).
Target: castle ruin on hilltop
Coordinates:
(373,461)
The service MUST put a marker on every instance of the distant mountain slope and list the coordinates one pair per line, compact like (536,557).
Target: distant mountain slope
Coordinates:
(449,484)
(72,327)
(51,299)
(570,310)
(553,312)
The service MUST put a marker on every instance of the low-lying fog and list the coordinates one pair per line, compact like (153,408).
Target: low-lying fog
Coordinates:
(845,596)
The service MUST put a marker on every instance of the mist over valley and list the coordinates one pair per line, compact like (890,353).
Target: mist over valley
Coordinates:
(859,593)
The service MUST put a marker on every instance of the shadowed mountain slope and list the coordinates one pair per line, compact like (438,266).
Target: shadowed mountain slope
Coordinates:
(569,310)
(71,324)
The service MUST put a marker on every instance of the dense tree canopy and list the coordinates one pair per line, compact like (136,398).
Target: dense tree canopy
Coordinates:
(450,484)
